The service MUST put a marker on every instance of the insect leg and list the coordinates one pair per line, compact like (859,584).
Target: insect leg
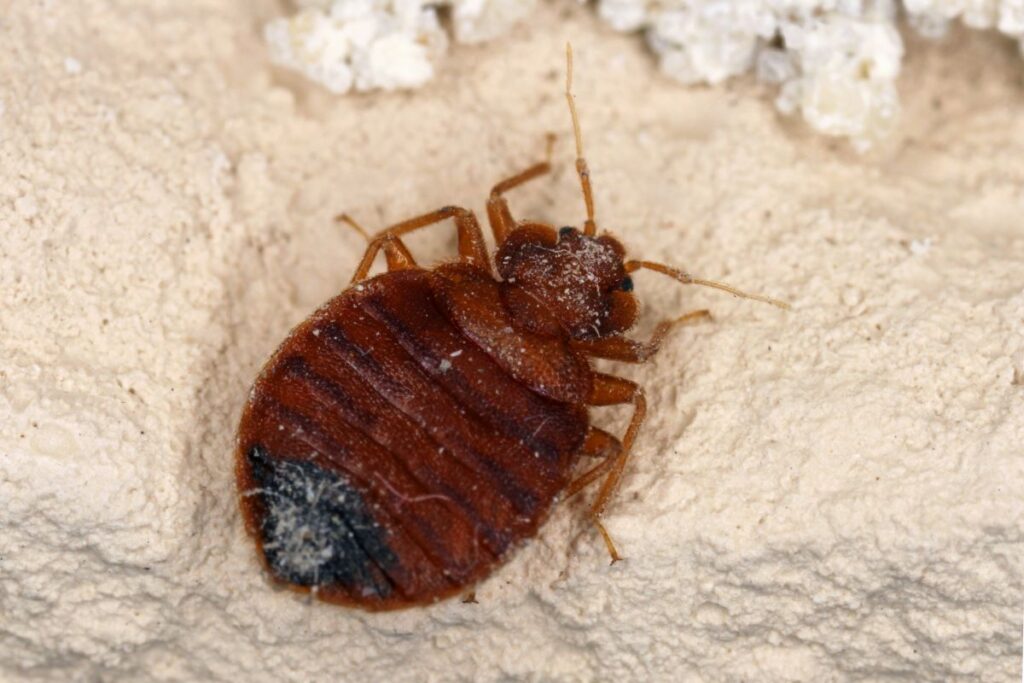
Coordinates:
(498,214)
(611,390)
(397,254)
(599,444)
(619,347)
(395,251)
(472,248)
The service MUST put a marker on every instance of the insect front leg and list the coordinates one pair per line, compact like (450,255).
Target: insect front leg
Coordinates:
(611,390)
(618,347)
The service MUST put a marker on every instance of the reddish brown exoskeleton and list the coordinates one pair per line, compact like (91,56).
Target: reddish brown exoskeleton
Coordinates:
(421,425)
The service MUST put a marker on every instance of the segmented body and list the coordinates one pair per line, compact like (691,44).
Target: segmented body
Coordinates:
(420,425)
(406,437)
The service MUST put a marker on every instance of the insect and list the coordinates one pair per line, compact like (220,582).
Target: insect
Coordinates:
(421,425)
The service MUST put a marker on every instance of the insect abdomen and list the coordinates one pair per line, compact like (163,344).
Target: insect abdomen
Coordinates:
(379,398)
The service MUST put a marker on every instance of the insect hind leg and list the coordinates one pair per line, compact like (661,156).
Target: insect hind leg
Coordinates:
(611,390)
(472,248)
(397,254)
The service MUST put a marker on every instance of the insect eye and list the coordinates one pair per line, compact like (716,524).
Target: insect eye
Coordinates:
(566,231)
(627,284)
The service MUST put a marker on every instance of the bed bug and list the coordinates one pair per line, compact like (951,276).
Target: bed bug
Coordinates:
(421,425)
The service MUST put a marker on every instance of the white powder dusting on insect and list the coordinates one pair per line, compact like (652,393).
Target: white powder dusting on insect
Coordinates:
(302,541)
(831,493)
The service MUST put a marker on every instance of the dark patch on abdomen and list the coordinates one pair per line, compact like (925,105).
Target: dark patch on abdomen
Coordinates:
(316,529)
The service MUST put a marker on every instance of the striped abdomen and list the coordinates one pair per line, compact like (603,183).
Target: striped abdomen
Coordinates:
(388,460)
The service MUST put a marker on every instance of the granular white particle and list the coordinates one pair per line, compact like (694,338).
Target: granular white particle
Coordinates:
(26,206)
(361,44)
(921,247)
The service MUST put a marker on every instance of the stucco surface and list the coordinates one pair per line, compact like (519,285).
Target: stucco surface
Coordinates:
(832,493)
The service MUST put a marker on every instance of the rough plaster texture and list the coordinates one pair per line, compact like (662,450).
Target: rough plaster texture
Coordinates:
(832,493)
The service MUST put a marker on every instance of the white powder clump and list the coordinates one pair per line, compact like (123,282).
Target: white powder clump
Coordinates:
(703,41)
(836,62)
(836,65)
(361,44)
(381,44)
(843,77)
(932,17)
(477,21)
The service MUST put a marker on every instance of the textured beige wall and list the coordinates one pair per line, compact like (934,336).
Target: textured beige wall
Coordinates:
(827,494)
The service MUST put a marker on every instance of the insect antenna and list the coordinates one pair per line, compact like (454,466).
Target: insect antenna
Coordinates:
(589,227)
(687,279)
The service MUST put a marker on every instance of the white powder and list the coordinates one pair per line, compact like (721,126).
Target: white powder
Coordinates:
(831,493)
(72,66)
(837,62)
(382,44)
